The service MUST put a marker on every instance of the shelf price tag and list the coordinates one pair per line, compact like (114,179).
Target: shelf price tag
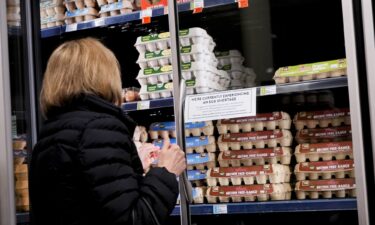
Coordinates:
(220,209)
(268,90)
(243,3)
(220,105)
(143,105)
(71,27)
(146,15)
(197,6)
(99,22)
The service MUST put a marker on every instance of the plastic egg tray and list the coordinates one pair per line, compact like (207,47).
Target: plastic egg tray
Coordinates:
(194,144)
(161,41)
(225,176)
(73,5)
(324,151)
(80,15)
(53,21)
(198,195)
(252,157)
(116,8)
(314,189)
(260,192)
(325,170)
(313,119)
(270,121)
(167,129)
(318,135)
(231,57)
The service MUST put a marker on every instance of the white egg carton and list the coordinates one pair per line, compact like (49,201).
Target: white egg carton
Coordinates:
(80,15)
(168,129)
(314,189)
(225,176)
(194,70)
(318,135)
(165,90)
(270,121)
(250,157)
(325,170)
(194,144)
(197,177)
(116,8)
(200,161)
(324,151)
(312,71)
(313,119)
(193,53)
(233,57)
(74,5)
(256,139)
(198,195)
(191,36)
(260,192)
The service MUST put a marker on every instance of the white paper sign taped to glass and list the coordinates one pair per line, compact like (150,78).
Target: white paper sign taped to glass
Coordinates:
(220,105)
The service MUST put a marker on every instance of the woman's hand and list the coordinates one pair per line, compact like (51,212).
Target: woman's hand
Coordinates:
(148,153)
(172,158)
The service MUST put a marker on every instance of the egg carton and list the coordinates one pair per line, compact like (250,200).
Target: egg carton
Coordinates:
(192,53)
(194,144)
(116,8)
(324,151)
(198,195)
(256,139)
(194,70)
(317,135)
(197,177)
(314,189)
(165,90)
(313,119)
(231,57)
(53,21)
(312,71)
(167,129)
(161,41)
(80,15)
(325,170)
(140,134)
(200,161)
(270,121)
(106,2)
(22,193)
(225,176)
(49,10)
(74,5)
(260,192)
(252,157)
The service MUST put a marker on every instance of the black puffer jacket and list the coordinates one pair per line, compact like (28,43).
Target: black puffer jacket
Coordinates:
(85,170)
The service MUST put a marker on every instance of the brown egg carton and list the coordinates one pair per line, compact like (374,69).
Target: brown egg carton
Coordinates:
(116,8)
(246,193)
(325,170)
(52,10)
(250,157)
(269,121)
(201,161)
(319,135)
(21,184)
(80,15)
(167,129)
(314,189)
(22,193)
(324,151)
(225,176)
(19,144)
(256,139)
(326,118)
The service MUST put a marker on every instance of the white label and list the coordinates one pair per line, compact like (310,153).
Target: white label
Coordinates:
(220,209)
(220,105)
(143,105)
(99,22)
(198,4)
(71,27)
(146,13)
(268,90)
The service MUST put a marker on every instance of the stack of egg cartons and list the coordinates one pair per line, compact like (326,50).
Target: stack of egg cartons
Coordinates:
(80,10)
(200,149)
(325,154)
(199,64)
(52,13)
(232,62)
(114,7)
(21,176)
(13,13)
(254,159)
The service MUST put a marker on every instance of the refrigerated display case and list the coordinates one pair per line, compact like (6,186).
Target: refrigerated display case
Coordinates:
(229,46)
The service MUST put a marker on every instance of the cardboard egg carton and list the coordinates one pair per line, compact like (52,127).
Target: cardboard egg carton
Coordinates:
(314,189)
(74,5)
(81,15)
(233,57)
(325,170)
(198,195)
(312,71)
(269,121)
(260,192)
(192,53)
(225,176)
(21,173)
(324,151)
(116,8)
(252,157)
(256,139)
(313,119)
(52,21)
(51,8)
(194,144)
(318,135)
(161,41)
(168,129)
(197,177)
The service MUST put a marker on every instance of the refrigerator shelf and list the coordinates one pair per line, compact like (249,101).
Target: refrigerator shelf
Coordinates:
(134,16)
(23,217)
(272,207)
(261,91)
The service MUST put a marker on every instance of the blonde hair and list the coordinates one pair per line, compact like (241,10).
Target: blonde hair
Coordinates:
(83,66)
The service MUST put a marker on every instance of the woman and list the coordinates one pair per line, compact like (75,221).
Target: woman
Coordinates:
(85,169)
